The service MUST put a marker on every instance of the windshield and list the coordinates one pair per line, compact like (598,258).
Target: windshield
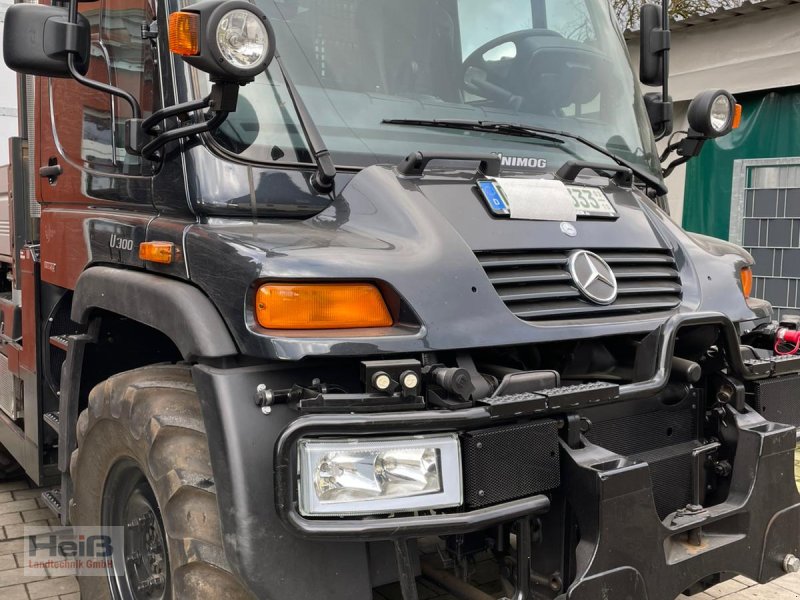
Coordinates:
(559,64)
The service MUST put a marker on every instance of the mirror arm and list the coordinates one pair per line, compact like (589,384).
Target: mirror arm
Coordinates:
(674,164)
(222,101)
(663,40)
(665,43)
(151,148)
(132,130)
(150,123)
(136,110)
(687,148)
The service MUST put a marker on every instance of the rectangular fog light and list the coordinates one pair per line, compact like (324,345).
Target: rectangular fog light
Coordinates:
(379,476)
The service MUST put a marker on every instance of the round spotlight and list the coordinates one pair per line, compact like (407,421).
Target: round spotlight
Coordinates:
(242,39)
(409,380)
(721,113)
(235,40)
(381,381)
(712,113)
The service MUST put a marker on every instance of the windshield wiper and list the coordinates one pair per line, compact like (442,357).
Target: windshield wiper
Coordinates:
(541,133)
(322,180)
(482,126)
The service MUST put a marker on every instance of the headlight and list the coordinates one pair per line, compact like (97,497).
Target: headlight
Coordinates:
(714,114)
(721,113)
(361,477)
(242,38)
(231,40)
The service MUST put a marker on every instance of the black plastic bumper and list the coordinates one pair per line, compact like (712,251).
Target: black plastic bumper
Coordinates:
(625,550)
(353,425)
(381,528)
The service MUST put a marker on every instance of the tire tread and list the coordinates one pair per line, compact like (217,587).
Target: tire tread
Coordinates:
(157,407)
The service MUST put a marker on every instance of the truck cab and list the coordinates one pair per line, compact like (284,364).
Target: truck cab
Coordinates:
(349,299)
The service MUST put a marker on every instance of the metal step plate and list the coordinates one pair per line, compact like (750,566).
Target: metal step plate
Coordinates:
(52,498)
(52,419)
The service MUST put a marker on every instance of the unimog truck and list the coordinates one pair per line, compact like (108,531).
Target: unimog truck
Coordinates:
(352,299)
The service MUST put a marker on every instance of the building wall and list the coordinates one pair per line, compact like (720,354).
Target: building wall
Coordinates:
(676,182)
(739,52)
(8,97)
(769,129)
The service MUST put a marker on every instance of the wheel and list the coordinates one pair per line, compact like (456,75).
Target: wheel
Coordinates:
(142,462)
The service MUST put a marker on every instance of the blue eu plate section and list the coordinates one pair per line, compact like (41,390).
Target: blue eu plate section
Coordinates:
(495,200)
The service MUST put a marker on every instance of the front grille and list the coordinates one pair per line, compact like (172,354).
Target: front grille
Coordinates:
(537,285)
(639,433)
(671,476)
(664,439)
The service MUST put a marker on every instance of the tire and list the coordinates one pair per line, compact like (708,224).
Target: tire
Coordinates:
(144,428)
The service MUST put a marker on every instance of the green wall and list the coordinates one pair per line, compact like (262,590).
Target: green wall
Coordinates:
(770,128)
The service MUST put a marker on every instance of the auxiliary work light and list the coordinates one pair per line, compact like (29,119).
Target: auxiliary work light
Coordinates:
(231,40)
(714,113)
(379,476)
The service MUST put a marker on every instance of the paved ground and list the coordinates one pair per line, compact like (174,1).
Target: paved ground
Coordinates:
(20,506)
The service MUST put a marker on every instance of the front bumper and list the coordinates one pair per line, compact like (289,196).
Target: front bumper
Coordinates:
(625,549)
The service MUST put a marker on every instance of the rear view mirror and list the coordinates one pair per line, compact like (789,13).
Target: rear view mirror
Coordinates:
(653,46)
(37,40)
(654,66)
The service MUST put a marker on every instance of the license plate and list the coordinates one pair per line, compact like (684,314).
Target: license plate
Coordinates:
(591,202)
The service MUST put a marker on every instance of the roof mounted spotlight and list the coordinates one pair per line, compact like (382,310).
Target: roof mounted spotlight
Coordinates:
(714,113)
(231,40)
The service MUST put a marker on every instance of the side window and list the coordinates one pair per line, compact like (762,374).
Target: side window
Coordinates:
(89,124)
(82,117)
(132,67)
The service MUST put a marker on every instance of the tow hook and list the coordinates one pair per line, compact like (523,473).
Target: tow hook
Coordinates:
(695,511)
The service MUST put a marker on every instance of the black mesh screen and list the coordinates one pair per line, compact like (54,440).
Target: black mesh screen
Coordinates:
(664,439)
(509,462)
(778,399)
(633,434)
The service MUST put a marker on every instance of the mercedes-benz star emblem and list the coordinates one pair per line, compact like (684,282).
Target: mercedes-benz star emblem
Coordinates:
(593,277)
(568,229)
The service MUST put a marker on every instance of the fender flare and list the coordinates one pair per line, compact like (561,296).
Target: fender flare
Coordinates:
(180,311)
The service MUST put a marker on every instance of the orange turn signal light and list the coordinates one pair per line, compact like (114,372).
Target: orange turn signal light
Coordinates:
(321,306)
(746,275)
(184,33)
(157,252)
(737,116)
